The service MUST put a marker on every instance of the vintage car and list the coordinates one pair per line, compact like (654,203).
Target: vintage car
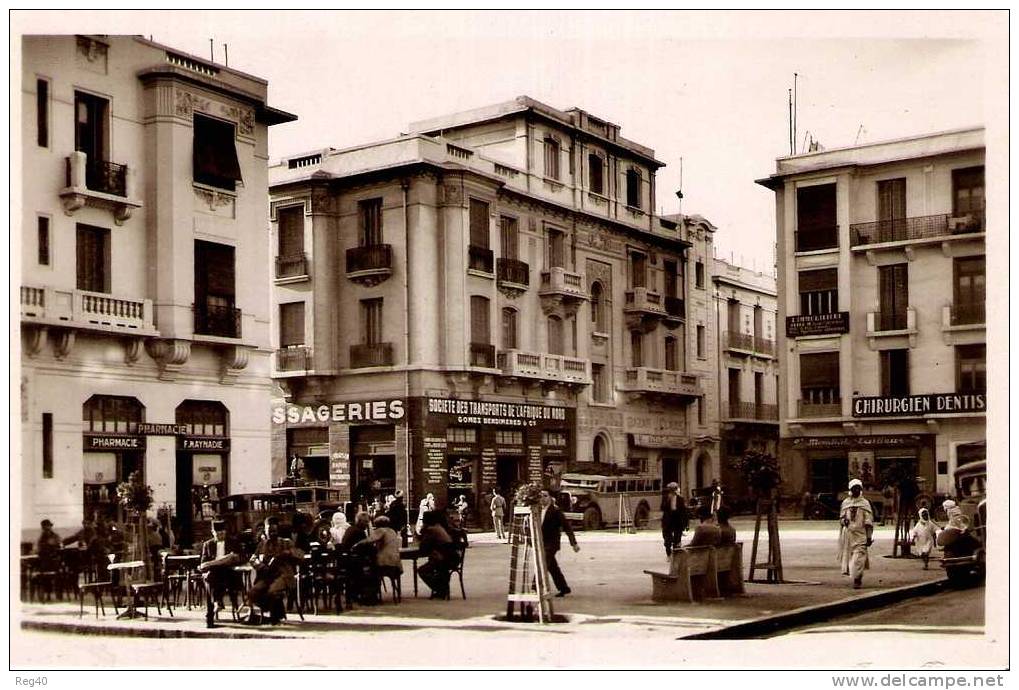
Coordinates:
(308,498)
(596,500)
(965,563)
(244,512)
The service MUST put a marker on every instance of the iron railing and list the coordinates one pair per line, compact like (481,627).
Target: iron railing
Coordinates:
(223,321)
(482,355)
(765,346)
(294,358)
(963,314)
(749,410)
(740,341)
(371,355)
(813,239)
(479,258)
(833,408)
(892,320)
(513,271)
(675,306)
(372,257)
(293,265)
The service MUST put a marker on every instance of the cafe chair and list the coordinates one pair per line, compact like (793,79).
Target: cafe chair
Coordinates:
(96,589)
(460,550)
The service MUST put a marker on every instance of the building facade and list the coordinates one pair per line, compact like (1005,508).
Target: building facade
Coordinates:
(143,348)
(882,291)
(746,308)
(488,307)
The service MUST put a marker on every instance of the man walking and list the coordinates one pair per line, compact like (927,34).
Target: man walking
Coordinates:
(674,518)
(553,523)
(498,508)
(856,535)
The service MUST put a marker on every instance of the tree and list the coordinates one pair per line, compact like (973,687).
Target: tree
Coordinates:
(761,473)
(900,475)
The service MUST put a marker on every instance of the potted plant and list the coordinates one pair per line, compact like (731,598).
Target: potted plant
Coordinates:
(136,498)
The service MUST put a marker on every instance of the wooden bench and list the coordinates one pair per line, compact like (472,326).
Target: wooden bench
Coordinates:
(729,568)
(678,584)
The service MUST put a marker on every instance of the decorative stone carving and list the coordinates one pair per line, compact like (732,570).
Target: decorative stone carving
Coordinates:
(244,117)
(214,199)
(34,339)
(322,201)
(559,305)
(235,360)
(187,103)
(132,349)
(599,272)
(63,342)
(170,354)
(92,54)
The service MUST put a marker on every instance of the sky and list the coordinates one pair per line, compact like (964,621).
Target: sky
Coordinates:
(707,89)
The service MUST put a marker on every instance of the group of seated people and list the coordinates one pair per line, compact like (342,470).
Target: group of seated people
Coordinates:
(714,529)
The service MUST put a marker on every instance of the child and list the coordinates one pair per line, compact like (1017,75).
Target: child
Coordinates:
(923,536)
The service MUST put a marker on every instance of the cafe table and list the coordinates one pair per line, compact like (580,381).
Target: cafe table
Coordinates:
(128,567)
(187,565)
(412,553)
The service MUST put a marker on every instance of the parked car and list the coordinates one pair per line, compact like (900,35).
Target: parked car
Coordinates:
(247,512)
(967,563)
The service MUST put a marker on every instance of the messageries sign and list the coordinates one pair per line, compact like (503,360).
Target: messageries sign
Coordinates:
(817,324)
(503,414)
(913,405)
(359,411)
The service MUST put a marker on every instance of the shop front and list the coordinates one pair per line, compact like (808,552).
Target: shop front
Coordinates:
(202,432)
(829,462)
(113,449)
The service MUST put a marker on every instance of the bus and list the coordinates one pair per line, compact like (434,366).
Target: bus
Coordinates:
(308,498)
(594,500)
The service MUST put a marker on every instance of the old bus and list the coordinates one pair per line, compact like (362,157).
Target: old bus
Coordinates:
(595,500)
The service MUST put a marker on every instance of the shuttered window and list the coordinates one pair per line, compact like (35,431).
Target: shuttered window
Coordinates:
(819,292)
(214,271)
(638,270)
(291,226)
(819,377)
(894,296)
(479,224)
(636,349)
(816,219)
(968,191)
(509,237)
(891,199)
(894,372)
(371,321)
(93,258)
(971,368)
(480,330)
(215,153)
(370,213)
(556,345)
(43,240)
(292,324)
(42,112)
(551,158)
(671,362)
(509,329)
(633,184)
(556,249)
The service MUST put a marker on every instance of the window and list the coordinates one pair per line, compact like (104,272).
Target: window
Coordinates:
(699,274)
(509,329)
(509,438)
(42,112)
(556,249)
(732,316)
(556,346)
(633,188)
(93,258)
(819,291)
(971,368)
(816,219)
(758,322)
(735,396)
(672,279)
(894,296)
(90,131)
(598,308)
(596,173)
(819,378)
(554,438)
(701,345)
(671,360)
(700,411)
(479,224)
(108,414)
(215,153)
(215,313)
(509,237)
(551,158)
(599,390)
(891,209)
(638,270)
(636,349)
(291,229)
(47,445)
(370,213)
(970,290)
(758,388)
(480,332)
(43,240)
(460,434)
(600,451)
(894,372)
(371,321)
(203,418)
(968,191)
(292,324)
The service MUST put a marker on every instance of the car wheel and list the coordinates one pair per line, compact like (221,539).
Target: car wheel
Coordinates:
(592,518)
(641,516)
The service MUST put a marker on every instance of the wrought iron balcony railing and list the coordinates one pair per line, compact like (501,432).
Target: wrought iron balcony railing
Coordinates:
(372,257)
(482,355)
(967,314)
(219,320)
(675,306)
(513,271)
(292,266)
(294,358)
(814,239)
(914,228)
(371,355)
(832,408)
(479,258)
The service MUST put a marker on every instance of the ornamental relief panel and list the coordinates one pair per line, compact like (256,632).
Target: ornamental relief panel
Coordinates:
(186,103)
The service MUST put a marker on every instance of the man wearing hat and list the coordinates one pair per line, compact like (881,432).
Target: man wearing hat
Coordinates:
(48,546)
(397,514)
(674,518)
(275,563)
(857,533)
(219,556)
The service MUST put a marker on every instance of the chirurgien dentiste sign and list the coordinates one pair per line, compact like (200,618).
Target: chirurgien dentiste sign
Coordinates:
(362,411)
(907,405)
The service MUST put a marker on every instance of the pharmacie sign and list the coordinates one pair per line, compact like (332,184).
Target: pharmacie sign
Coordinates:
(359,411)
(912,405)
(498,413)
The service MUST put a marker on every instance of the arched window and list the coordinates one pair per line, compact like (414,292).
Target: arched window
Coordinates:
(598,308)
(112,414)
(203,418)
(636,349)
(509,329)
(633,181)
(556,346)
(600,450)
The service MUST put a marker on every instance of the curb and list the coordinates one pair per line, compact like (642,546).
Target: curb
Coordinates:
(768,626)
(153,633)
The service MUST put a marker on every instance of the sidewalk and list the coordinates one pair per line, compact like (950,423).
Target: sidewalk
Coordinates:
(611,594)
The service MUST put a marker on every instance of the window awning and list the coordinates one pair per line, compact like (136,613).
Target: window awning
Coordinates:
(215,154)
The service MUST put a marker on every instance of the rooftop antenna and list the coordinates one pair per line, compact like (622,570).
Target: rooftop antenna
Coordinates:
(858,133)
(226,56)
(807,136)
(791,122)
(795,109)
(212,53)
(679,193)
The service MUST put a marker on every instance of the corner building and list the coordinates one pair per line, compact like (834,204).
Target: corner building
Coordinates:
(487,301)
(882,293)
(143,346)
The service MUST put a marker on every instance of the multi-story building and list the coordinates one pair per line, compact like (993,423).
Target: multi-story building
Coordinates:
(881,283)
(143,347)
(745,310)
(486,301)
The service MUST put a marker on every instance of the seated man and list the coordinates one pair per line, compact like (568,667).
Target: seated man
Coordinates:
(219,556)
(275,563)
(436,545)
(727,532)
(707,533)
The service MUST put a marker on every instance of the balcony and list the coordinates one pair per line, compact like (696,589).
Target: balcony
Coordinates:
(811,409)
(967,314)
(643,308)
(98,183)
(561,290)
(294,358)
(546,367)
(754,412)
(479,259)
(512,274)
(482,355)
(888,324)
(816,239)
(643,381)
(675,309)
(223,321)
(964,324)
(742,343)
(917,228)
(373,355)
(89,310)
(294,266)
(370,265)
(764,346)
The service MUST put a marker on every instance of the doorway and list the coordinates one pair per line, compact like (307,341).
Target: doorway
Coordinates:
(509,473)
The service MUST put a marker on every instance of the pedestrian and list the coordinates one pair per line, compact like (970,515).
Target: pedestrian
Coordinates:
(716,496)
(674,518)
(498,508)
(275,562)
(461,507)
(427,505)
(553,523)
(856,534)
(48,547)
(924,535)
(397,515)
(435,545)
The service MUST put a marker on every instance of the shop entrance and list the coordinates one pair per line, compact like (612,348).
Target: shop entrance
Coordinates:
(510,472)
(670,470)
(829,475)
(102,473)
